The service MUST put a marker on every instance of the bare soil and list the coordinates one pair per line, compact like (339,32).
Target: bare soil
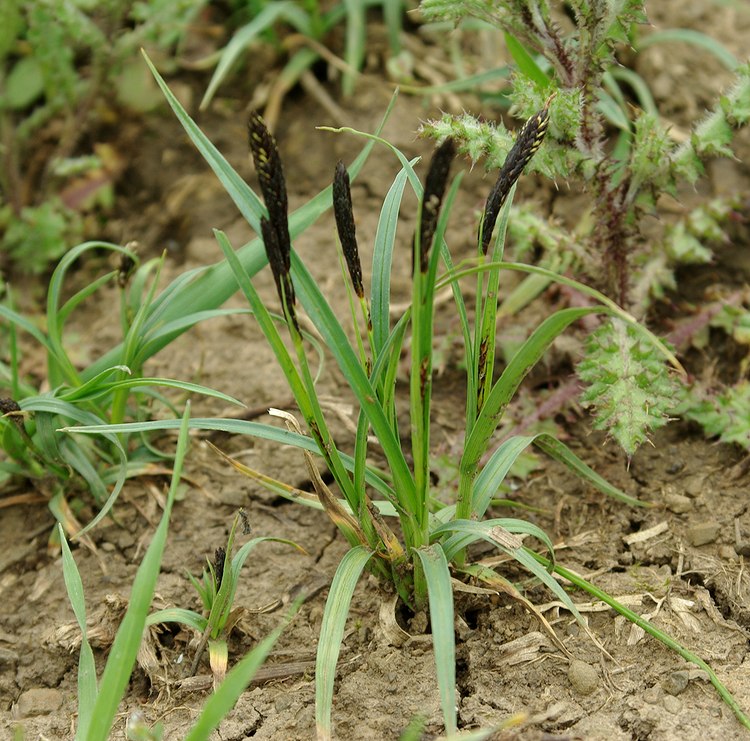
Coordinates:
(680,563)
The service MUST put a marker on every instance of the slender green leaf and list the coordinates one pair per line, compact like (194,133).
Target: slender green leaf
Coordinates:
(143,382)
(525,62)
(124,650)
(440,593)
(178,615)
(382,260)
(243,37)
(690,36)
(649,628)
(87,689)
(332,632)
(559,451)
(354,52)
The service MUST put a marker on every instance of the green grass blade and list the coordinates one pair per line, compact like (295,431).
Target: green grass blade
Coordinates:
(270,14)
(393,17)
(233,427)
(67,411)
(221,702)
(148,381)
(467,531)
(639,86)
(559,451)
(178,615)
(503,391)
(610,306)
(354,52)
(86,666)
(21,322)
(525,62)
(439,589)
(332,632)
(124,650)
(382,260)
(494,472)
(62,368)
(645,625)
(239,191)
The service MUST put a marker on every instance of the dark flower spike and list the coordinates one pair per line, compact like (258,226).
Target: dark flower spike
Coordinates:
(434,189)
(274,229)
(527,142)
(219,557)
(342,210)
(279,267)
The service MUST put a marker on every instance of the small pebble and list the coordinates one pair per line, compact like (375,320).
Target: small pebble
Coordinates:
(653,694)
(678,503)
(704,533)
(676,682)
(583,677)
(727,552)
(38,701)
(696,484)
(672,704)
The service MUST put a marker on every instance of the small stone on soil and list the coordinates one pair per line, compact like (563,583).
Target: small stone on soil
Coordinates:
(672,704)
(678,503)
(676,682)
(38,701)
(703,534)
(583,677)
(652,695)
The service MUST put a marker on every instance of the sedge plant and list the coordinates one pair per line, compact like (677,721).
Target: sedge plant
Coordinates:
(217,589)
(387,511)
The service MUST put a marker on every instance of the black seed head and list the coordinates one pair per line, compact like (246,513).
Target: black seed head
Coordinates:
(279,263)
(527,142)
(274,229)
(270,172)
(434,189)
(8,406)
(342,210)
(125,269)
(219,558)
(246,529)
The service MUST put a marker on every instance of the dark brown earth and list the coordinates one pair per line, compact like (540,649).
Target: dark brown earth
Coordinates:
(678,564)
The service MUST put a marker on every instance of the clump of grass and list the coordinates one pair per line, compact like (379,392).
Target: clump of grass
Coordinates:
(217,589)
(61,468)
(388,513)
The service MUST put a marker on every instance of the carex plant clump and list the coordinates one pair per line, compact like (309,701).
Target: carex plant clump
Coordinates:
(419,557)
(383,500)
